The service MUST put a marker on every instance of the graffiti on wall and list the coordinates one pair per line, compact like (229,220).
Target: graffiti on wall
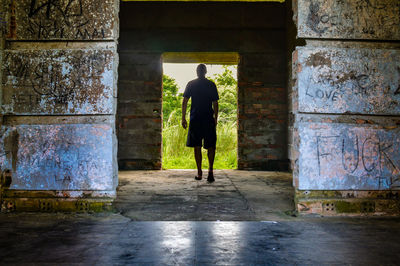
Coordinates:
(359,19)
(73,156)
(335,80)
(58,82)
(342,156)
(64,19)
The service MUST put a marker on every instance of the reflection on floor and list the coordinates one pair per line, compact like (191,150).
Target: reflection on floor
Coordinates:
(174,195)
(112,239)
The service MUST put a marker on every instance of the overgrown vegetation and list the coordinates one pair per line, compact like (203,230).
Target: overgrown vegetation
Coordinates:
(175,153)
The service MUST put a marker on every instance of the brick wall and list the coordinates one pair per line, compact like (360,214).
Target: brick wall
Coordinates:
(139,110)
(262,111)
(257,31)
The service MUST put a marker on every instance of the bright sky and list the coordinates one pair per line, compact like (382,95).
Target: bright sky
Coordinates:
(183,73)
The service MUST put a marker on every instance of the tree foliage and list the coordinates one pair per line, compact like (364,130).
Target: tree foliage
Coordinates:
(226,79)
(171,99)
(227,89)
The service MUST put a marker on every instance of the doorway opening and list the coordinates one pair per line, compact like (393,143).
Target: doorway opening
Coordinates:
(178,70)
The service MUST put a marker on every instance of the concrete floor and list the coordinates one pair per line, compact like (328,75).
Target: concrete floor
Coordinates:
(112,239)
(174,195)
(118,239)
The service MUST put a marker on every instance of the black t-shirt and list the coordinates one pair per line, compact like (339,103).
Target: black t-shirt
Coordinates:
(203,92)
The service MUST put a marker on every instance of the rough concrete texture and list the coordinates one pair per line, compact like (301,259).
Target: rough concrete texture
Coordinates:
(365,19)
(345,107)
(63,20)
(345,156)
(3,26)
(139,121)
(362,121)
(338,80)
(73,204)
(56,81)
(58,105)
(175,195)
(111,239)
(348,207)
(59,157)
(3,22)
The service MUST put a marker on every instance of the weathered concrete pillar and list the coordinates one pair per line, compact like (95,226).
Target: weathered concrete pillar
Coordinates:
(346,107)
(3,27)
(4,180)
(58,143)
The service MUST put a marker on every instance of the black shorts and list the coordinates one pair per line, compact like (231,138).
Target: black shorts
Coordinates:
(199,130)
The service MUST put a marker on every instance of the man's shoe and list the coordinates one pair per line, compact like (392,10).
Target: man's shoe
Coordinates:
(210,178)
(198,178)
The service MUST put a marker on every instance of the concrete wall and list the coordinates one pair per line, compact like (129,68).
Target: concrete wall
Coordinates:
(346,107)
(3,29)
(257,31)
(59,76)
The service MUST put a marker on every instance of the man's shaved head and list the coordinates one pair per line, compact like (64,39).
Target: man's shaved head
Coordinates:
(201,70)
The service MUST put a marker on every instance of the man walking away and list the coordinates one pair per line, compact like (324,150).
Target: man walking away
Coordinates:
(203,119)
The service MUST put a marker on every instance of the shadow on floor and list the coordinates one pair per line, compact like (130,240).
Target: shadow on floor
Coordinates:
(174,195)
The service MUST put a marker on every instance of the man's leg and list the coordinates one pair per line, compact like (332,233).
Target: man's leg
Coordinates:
(211,156)
(198,158)
(210,141)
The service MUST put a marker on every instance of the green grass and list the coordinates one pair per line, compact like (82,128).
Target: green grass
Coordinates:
(177,156)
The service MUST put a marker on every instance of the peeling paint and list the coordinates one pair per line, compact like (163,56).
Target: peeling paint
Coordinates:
(339,80)
(60,157)
(338,19)
(348,157)
(64,20)
(58,82)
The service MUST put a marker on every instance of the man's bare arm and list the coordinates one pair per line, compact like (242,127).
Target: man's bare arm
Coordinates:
(184,107)
(215,107)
